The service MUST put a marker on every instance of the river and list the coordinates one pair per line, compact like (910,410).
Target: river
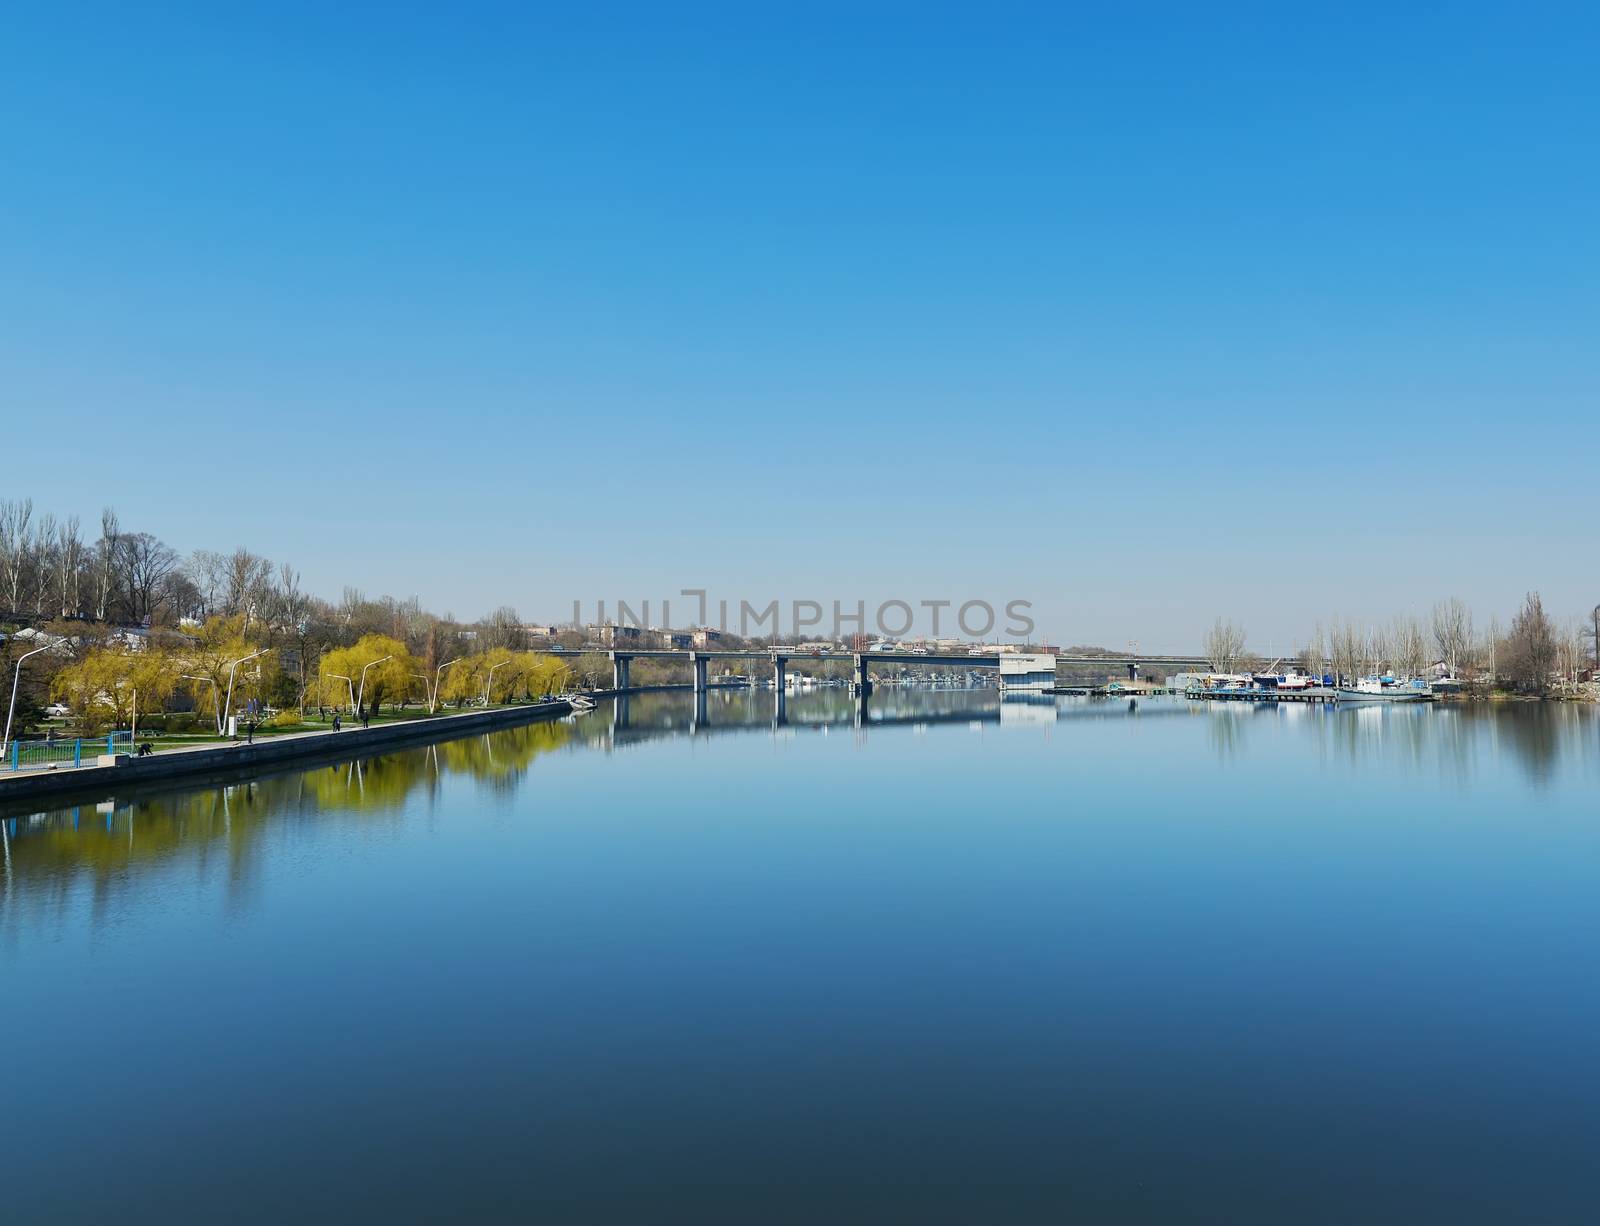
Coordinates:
(1071,960)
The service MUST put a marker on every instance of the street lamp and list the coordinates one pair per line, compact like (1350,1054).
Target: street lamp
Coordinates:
(350,684)
(232,668)
(5,741)
(361,696)
(438,674)
(488,683)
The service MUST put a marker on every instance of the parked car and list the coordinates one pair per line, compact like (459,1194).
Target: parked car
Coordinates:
(58,710)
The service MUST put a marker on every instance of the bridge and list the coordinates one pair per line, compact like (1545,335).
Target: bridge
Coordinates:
(861,661)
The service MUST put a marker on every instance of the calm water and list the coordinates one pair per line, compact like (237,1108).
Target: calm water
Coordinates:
(1081,961)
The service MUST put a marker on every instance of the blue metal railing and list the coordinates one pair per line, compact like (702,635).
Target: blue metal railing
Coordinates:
(28,755)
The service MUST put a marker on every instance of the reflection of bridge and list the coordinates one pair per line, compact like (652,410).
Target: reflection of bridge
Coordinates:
(851,711)
(861,661)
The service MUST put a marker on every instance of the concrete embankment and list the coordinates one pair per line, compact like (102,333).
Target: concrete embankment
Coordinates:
(267,753)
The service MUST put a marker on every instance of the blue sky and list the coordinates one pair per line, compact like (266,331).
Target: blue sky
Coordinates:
(1142,313)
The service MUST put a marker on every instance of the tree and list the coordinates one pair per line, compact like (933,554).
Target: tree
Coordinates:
(68,558)
(1452,633)
(16,536)
(1409,648)
(1571,649)
(1348,646)
(105,562)
(145,565)
(502,628)
(1530,648)
(593,668)
(389,671)
(1224,646)
(209,663)
(109,686)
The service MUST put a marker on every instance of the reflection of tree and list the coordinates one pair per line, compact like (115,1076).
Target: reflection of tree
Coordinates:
(1533,731)
(52,851)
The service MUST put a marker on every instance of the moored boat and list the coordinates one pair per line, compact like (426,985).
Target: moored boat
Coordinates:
(1385,689)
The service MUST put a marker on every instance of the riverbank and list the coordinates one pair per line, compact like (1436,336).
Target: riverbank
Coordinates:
(288,747)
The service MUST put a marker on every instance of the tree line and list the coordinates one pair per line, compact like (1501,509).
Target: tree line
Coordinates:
(134,624)
(1533,655)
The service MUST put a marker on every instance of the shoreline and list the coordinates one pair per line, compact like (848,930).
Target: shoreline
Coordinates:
(232,758)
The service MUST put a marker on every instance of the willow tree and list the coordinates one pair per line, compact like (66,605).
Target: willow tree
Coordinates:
(210,666)
(374,669)
(111,686)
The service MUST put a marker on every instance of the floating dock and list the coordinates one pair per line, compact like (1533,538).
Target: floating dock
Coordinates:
(1242,693)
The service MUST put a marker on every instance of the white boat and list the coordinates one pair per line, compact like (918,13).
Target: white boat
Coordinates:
(1385,689)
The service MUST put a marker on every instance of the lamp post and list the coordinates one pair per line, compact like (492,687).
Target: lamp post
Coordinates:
(361,696)
(438,674)
(350,684)
(16,678)
(488,683)
(227,706)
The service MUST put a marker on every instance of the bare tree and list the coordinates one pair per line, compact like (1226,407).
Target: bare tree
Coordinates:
(503,628)
(247,577)
(1531,647)
(16,528)
(105,562)
(208,571)
(1452,633)
(1224,646)
(1571,649)
(1409,647)
(42,561)
(69,557)
(145,565)
(1348,646)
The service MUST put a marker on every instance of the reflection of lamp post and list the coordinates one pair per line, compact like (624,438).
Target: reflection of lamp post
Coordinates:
(361,697)
(232,668)
(488,684)
(16,678)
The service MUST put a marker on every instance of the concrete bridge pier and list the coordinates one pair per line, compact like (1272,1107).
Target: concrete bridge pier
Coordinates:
(862,683)
(619,671)
(699,663)
(780,672)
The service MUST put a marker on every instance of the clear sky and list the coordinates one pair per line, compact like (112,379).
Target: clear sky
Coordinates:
(1144,313)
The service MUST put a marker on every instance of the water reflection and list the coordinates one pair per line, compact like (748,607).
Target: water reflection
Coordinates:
(110,840)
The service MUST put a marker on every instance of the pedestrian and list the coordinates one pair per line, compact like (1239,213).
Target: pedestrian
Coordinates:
(336,721)
(365,716)
(250,733)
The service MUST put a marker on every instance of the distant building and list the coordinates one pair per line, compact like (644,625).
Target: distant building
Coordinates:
(541,631)
(611,635)
(1027,672)
(704,639)
(677,640)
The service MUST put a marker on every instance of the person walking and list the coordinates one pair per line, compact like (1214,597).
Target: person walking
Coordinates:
(336,721)
(366,716)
